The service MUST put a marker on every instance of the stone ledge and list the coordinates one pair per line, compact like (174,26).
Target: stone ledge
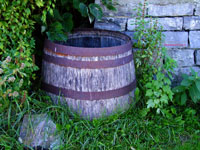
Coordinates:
(124,8)
(194,37)
(192,23)
(167,23)
(111,23)
(184,9)
(184,58)
(176,39)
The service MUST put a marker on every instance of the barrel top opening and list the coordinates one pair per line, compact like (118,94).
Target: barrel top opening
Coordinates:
(92,42)
(95,38)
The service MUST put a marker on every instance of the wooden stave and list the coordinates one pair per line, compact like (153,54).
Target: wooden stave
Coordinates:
(76,104)
(83,107)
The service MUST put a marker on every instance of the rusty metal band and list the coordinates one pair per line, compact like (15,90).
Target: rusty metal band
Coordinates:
(61,61)
(87,52)
(89,95)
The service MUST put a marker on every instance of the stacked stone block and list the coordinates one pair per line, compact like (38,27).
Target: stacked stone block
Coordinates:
(181,26)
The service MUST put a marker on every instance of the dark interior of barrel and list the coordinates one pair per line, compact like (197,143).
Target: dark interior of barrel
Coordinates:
(95,40)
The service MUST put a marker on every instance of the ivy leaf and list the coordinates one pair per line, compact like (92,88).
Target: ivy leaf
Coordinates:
(111,7)
(56,32)
(61,37)
(186,83)
(56,26)
(149,92)
(150,104)
(1,46)
(64,2)
(173,110)
(158,111)
(183,98)
(39,3)
(193,72)
(164,98)
(57,15)
(178,89)
(192,78)
(149,85)
(91,17)
(51,36)
(76,4)
(177,98)
(166,89)
(185,76)
(170,95)
(28,11)
(96,11)
(68,22)
(44,16)
(83,9)
(198,84)
(197,91)
(193,94)
(43,29)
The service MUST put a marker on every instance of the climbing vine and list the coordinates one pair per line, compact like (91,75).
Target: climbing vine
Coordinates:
(16,48)
(153,66)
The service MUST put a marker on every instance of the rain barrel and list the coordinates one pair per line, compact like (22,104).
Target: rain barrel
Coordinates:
(92,72)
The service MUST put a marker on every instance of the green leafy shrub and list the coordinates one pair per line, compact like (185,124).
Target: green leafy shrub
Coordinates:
(69,14)
(189,89)
(153,66)
(16,51)
(17,64)
(13,84)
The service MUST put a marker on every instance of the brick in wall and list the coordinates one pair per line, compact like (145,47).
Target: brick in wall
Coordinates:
(192,23)
(183,57)
(167,23)
(124,8)
(111,23)
(194,37)
(197,10)
(176,39)
(182,9)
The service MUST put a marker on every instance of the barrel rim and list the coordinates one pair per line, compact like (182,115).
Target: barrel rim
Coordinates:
(88,51)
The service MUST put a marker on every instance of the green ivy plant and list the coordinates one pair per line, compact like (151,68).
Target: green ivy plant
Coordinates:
(189,89)
(16,49)
(153,65)
(68,14)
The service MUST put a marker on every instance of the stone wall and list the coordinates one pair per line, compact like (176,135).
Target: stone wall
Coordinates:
(181,24)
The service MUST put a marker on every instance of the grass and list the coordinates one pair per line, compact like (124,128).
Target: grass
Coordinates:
(126,131)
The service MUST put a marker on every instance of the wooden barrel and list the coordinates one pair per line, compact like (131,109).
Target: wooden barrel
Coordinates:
(93,72)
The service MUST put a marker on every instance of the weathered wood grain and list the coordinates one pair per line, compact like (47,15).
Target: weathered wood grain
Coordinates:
(92,80)
(96,108)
